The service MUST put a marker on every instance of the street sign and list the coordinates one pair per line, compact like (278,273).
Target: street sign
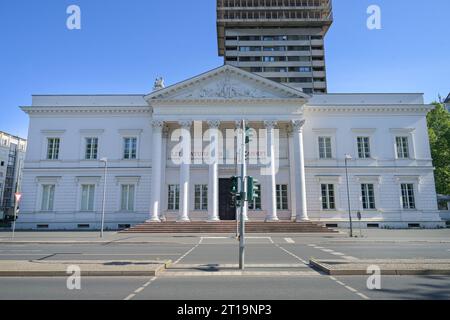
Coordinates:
(18,196)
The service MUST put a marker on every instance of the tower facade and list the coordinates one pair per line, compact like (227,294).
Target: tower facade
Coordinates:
(282,40)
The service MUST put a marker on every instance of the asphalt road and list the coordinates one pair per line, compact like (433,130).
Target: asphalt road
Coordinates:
(217,251)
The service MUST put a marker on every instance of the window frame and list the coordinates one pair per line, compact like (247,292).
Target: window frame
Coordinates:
(325,139)
(364,147)
(86,147)
(127,208)
(124,148)
(330,206)
(280,189)
(51,195)
(54,150)
(91,193)
(202,204)
(366,203)
(175,205)
(408,207)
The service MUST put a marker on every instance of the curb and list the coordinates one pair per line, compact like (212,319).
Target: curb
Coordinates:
(89,273)
(362,271)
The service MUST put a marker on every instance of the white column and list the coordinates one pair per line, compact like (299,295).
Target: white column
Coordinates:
(300,183)
(185,170)
(164,191)
(240,132)
(156,171)
(292,175)
(213,182)
(272,183)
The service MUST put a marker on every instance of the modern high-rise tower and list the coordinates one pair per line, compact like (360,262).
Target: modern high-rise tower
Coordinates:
(282,40)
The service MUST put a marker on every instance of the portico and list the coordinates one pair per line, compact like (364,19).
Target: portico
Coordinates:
(202,119)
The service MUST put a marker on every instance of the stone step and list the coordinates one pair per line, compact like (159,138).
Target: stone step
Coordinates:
(229,227)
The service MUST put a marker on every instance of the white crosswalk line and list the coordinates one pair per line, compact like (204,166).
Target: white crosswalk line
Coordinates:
(289,240)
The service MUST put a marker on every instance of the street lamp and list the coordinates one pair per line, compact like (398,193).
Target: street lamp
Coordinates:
(105,160)
(347,158)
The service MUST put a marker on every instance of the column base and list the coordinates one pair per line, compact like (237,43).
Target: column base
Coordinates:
(272,219)
(183,220)
(301,219)
(213,220)
(153,220)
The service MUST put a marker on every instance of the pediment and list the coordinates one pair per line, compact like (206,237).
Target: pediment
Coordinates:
(227,83)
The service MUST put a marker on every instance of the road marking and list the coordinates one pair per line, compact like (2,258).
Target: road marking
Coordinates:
(289,240)
(268,238)
(363,296)
(290,253)
(349,288)
(311,245)
(192,249)
(337,253)
(140,289)
(327,250)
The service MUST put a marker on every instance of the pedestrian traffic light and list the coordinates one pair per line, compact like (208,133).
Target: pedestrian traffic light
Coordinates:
(252,188)
(234,185)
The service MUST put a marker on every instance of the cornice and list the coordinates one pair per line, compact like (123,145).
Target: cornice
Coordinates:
(207,102)
(86,109)
(421,108)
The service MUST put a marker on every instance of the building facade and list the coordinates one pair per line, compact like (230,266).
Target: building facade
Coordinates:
(301,143)
(12,156)
(282,40)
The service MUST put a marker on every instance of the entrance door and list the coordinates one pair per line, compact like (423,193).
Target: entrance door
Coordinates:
(226,210)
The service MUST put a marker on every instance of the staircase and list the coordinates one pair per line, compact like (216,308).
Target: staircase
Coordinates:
(229,227)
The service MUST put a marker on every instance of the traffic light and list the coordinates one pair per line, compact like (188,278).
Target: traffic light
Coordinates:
(252,188)
(234,185)
(249,133)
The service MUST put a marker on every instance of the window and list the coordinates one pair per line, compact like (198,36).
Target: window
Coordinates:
(408,198)
(325,148)
(87,197)
(2,163)
(91,148)
(282,197)
(299,69)
(201,197)
(130,148)
(53,148)
(402,147)
(274,59)
(250,48)
(274,48)
(294,58)
(298,48)
(363,147)
(368,196)
(48,197)
(127,198)
(328,199)
(174,197)
(256,203)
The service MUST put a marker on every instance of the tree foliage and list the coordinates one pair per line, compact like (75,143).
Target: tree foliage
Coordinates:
(439,132)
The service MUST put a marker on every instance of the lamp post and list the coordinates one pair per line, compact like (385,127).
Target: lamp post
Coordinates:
(105,160)
(347,158)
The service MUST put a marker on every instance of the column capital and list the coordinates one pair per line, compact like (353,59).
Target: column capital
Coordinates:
(297,125)
(270,124)
(213,124)
(157,124)
(185,124)
(165,131)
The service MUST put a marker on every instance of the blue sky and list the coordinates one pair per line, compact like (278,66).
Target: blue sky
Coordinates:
(124,44)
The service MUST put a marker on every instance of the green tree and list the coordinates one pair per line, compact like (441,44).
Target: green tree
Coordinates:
(439,132)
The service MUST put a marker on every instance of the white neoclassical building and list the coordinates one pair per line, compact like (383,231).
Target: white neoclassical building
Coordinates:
(298,156)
